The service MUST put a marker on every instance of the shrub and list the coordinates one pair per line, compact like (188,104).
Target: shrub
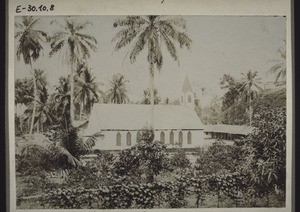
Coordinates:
(218,158)
(265,151)
(147,158)
(179,159)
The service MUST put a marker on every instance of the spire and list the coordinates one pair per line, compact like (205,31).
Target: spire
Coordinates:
(186,85)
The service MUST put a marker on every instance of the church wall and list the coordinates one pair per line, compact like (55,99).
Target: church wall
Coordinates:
(109,142)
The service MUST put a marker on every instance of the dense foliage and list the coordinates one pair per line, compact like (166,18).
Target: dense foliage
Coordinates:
(59,169)
(146,159)
(218,158)
(265,151)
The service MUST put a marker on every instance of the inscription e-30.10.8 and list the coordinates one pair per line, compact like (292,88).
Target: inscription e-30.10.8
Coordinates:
(33,8)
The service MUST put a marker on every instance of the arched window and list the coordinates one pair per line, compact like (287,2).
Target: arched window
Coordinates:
(171,137)
(189,99)
(138,137)
(118,138)
(189,135)
(128,139)
(162,137)
(180,137)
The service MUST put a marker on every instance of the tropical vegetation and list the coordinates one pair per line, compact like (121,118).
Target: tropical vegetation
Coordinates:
(149,33)
(57,166)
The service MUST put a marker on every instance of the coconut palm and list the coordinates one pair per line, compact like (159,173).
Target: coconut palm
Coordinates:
(280,67)
(150,33)
(117,92)
(44,114)
(75,45)
(147,99)
(86,91)
(29,47)
(44,110)
(66,150)
(61,96)
(250,89)
(42,93)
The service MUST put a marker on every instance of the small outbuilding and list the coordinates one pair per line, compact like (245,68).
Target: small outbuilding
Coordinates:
(226,132)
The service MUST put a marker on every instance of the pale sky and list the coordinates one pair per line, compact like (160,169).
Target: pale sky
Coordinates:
(220,45)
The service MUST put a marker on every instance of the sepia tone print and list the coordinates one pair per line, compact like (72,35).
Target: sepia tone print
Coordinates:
(128,112)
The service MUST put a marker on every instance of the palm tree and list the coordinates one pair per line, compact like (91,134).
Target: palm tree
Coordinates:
(147,99)
(61,96)
(86,91)
(29,47)
(280,67)
(150,32)
(250,89)
(44,113)
(117,92)
(41,83)
(44,110)
(66,150)
(75,45)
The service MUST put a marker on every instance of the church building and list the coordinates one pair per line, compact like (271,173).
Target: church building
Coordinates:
(121,124)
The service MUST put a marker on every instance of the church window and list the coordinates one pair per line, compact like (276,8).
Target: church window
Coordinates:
(128,139)
(162,137)
(180,137)
(171,137)
(189,99)
(189,135)
(138,137)
(118,139)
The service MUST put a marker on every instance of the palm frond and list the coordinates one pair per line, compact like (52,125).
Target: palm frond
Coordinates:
(84,50)
(56,48)
(91,141)
(130,21)
(139,45)
(179,22)
(124,40)
(184,40)
(91,46)
(18,25)
(170,47)
(81,26)
(86,37)
(62,153)
(31,24)
(18,34)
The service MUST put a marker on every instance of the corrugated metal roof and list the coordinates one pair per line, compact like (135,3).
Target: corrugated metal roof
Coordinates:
(231,129)
(134,117)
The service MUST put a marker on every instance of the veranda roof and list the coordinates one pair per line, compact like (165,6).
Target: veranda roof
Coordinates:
(231,129)
(134,117)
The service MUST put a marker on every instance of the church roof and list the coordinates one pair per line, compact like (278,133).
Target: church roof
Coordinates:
(135,117)
(186,85)
(231,129)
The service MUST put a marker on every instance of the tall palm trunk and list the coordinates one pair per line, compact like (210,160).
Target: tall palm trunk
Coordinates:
(35,98)
(42,126)
(151,75)
(72,91)
(250,112)
(81,111)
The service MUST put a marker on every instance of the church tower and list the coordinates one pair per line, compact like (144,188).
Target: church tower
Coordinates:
(187,95)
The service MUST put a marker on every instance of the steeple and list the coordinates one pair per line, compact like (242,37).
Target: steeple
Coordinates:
(186,85)
(187,96)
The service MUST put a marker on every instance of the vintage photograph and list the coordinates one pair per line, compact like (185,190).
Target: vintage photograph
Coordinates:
(150,111)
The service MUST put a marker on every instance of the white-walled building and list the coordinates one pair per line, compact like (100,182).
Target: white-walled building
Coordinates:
(121,124)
